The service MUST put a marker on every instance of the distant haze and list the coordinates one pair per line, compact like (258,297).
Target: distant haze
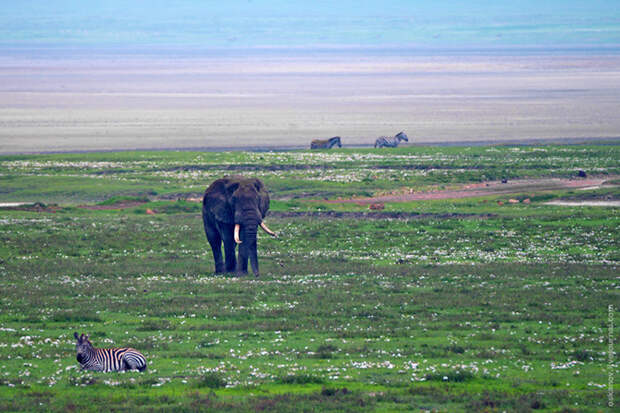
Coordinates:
(80,75)
(282,23)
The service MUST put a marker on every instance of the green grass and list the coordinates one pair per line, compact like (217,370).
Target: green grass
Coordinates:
(463,306)
(93,177)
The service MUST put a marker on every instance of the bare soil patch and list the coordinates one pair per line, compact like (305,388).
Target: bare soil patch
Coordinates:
(374,215)
(480,189)
(34,207)
(119,205)
(183,196)
(40,207)
(595,203)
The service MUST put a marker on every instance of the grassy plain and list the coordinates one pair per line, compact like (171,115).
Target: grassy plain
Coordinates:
(459,305)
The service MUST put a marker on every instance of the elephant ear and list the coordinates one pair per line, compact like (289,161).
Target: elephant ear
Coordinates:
(263,197)
(217,200)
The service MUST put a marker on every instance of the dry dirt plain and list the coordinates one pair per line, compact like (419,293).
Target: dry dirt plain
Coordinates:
(99,102)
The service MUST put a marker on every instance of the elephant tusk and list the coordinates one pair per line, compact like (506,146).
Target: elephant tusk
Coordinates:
(237,240)
(267,230)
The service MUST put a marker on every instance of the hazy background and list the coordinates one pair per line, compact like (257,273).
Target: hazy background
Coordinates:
(280,23)
(192,74)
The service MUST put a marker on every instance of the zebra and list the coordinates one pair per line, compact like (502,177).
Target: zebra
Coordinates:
(391,142)
(326,143)
(107,359)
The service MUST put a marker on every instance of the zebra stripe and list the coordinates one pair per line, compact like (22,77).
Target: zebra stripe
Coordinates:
(114,359)
(391,141)
(108,359)
(326,143)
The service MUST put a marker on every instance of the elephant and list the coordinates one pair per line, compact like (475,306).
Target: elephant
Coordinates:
(233,208)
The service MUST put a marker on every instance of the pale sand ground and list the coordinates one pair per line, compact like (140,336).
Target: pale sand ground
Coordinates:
(585,203)
(100,103)
(515,186)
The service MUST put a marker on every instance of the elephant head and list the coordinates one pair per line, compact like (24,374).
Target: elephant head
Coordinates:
(241,204)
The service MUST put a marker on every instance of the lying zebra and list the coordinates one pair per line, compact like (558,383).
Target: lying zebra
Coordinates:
(325,143)
(391,142)
(107,359)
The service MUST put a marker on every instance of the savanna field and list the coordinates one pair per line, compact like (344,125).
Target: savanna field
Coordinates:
(496,302)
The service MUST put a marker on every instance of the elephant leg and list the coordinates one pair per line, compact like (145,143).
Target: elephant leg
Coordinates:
(231,260)
(213,236)
(242,262)
(229,247)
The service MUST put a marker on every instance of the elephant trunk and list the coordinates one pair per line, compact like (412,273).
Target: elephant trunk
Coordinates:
(249,248)
(250,233)
(254,260)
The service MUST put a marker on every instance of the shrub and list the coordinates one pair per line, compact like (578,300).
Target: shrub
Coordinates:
(456,376)
(325,351)
(212,380)
(68,316)
(154,324)
(300,379)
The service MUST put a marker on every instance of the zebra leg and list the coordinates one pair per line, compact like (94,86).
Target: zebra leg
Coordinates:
(129,364)
(97,367)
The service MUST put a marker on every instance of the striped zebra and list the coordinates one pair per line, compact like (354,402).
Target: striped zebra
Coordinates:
(325,143)
(391,142)
(107,359)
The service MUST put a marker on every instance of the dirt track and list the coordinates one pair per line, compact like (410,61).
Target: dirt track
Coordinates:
(118,205)
(519,186)
(483,189)
(374,215)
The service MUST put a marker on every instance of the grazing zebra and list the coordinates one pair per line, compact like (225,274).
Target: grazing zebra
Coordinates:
(325,143)
(107,359)
(391,142)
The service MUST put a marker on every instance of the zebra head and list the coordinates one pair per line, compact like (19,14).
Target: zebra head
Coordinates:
(402,136)
(83,347)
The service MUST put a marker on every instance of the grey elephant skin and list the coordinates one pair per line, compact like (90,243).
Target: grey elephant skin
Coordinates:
(233,208)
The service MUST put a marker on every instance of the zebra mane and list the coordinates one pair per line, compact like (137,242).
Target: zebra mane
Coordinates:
(402,135)
(82,338)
